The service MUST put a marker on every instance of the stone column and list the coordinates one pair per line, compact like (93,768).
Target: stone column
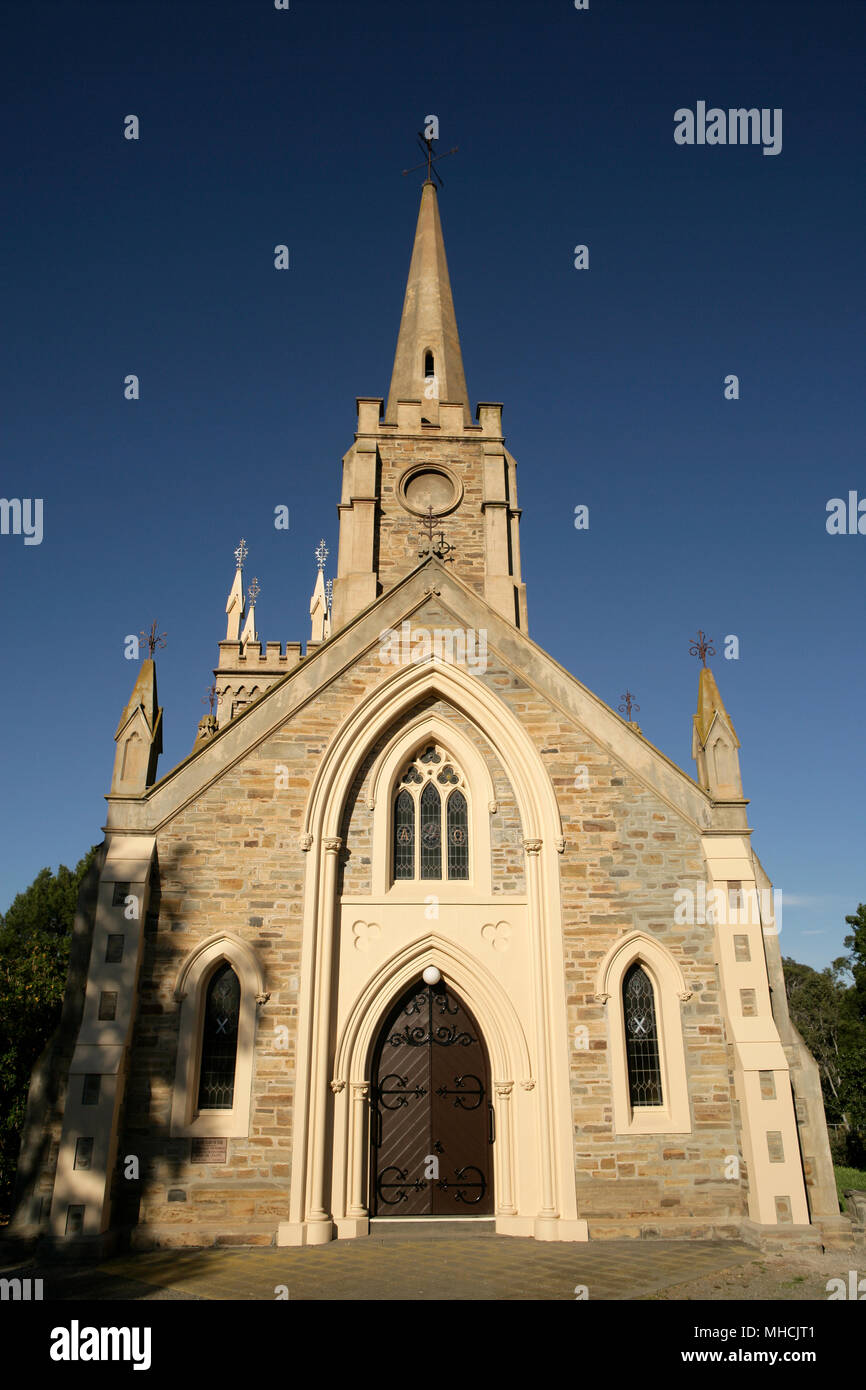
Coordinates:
(545,1226)
(503,1091)
(319,1219)
(360,1095)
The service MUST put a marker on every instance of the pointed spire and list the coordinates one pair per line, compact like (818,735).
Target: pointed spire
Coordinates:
(139,735)
(249,633)
(320,613)
(715,743)
(235,602)
(428,364)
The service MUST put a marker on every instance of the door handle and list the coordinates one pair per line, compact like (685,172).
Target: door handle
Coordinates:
(491,1127)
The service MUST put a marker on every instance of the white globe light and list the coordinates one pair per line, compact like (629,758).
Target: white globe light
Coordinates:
(431,975)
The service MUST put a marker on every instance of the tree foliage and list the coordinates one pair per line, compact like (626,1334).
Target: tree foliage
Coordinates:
(35,935)
(829,1009)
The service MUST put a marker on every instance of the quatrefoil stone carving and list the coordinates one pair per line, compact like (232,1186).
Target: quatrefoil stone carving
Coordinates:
(366,934)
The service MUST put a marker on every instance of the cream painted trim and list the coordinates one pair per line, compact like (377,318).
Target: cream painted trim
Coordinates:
(673,1117)
(554,1215)
(192,981)
(504,1039)
(478,791)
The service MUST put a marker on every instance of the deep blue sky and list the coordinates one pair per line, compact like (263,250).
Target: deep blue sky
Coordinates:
(261,126)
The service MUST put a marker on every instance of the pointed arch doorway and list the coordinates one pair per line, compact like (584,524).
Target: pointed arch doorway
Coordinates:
(432,1122)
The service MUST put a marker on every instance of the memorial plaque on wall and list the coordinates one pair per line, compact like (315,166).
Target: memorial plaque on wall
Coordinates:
(209,1151)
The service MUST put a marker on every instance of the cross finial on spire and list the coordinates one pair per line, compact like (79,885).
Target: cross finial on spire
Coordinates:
(628,705)
(701,646)
(254,591)
(241,554)
(153,638)
(210,696)
(322,553)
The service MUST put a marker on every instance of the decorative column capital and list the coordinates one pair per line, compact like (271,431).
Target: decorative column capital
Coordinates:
(601,998)
(360,1089)
(337,1086)
(332,845)
(503,1088)
(528,1085)
(532,846)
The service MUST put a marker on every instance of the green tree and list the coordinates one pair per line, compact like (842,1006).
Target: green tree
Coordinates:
(816,1003)
(34,953)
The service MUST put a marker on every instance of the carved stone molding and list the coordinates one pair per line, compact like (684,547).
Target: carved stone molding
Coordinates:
(493,807)
(263,998)
(528,1085)
(433,589)
(532,846)
(337,1086)
(332,844)
(560,845)
(685,995)
(305,842)
(503,1088)
(601,998)
(360,1090)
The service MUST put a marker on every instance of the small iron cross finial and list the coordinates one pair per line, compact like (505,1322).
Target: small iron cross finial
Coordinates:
(628,705)
(153,638)
(253,592)
(210,696)
(329,593)
(701,646)
(241,554)
(441,548)
(426,144)
(322,553)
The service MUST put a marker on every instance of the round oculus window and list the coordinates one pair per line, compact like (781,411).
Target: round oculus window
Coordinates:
(425,488)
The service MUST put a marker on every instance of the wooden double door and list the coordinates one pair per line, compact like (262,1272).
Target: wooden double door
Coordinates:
(432,1121)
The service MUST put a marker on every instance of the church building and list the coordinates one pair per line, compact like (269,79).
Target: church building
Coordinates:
(422,929)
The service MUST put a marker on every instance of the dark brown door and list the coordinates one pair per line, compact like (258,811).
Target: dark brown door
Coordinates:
(432,1120)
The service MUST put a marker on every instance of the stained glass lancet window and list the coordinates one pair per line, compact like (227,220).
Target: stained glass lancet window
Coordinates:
(425,818)
(458,838)
(431,833)
(404,836)
(641,1038)
(220,1040)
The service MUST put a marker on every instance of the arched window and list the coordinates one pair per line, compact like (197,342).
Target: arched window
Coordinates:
(641,1038)
(431,832)
(431,809)
(219,1045)
(458,837)
(428,363)
(404,836)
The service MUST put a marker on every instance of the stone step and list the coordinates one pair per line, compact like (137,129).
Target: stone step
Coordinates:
(431,1227)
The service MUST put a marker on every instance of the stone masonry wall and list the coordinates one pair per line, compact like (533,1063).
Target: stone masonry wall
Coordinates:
(232,862)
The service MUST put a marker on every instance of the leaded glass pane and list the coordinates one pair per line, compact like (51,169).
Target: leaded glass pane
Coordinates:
(448,776)
(430,756)
(641,1039)
(458,838)
(431,833)
(220,1040)
(413,775)
(404,836)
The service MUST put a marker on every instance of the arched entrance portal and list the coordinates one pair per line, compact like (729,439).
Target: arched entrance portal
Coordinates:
(431,1131)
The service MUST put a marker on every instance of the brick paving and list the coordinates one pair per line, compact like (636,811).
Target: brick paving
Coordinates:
(497,1268)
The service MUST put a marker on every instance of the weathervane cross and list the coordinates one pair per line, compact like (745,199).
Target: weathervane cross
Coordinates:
(426,143)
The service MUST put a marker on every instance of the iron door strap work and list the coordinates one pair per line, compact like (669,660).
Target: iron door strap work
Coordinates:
(432,1121)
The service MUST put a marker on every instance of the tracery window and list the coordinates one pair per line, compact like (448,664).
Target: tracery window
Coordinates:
(431,810)
(219,1044)
(641,1038)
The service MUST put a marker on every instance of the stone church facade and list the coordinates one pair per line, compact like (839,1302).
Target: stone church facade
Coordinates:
(407,936)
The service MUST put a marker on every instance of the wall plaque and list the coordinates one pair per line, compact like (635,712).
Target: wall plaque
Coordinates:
(209,1151)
